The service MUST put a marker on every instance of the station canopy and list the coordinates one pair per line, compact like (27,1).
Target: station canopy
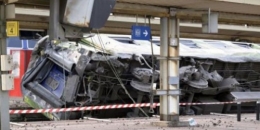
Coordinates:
(238,19)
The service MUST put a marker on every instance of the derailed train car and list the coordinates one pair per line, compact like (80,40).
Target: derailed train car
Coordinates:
(100,70)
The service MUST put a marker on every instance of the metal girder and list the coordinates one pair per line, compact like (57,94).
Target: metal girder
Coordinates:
(29,2)
(33,25)
(215,5)
(126,22)
(10,1)
(35,18)
(219,37)
(188,30)
(187,14)
(157,11)
(31,18)
(250,2)
(223,17)
(127,8)
(123,30)
(162,3)
(126,31)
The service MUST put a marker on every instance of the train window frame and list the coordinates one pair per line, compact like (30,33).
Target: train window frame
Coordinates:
(194,44)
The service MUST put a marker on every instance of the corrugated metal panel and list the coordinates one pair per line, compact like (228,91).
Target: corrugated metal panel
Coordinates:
(78,12)
(87,13)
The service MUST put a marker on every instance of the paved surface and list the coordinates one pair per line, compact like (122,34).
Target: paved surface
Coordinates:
(210,122)
(17,103)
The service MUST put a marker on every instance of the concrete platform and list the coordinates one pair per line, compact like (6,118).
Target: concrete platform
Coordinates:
(210,122)
(17,103)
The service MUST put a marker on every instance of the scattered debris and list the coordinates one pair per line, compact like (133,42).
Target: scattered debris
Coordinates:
(104,70)
(219,114)
(18,124)
(192,122)
(95,119)
(157,116)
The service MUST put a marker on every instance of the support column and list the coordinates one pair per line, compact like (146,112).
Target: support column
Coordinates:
(4,95)
(173,68)
(163,69)
(257,110)
(238,111)
(54,19)
(169,109)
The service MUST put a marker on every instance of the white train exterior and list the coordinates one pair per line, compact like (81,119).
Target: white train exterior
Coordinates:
(100,68)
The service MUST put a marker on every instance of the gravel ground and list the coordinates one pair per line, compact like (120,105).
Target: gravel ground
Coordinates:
(207,122)
(17,103)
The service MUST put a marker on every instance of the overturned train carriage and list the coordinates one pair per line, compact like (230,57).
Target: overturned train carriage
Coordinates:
(101,70)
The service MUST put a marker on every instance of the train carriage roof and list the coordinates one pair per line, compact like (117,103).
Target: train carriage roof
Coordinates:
(226,51)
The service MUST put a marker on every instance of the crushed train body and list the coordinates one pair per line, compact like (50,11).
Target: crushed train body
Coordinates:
(101,70)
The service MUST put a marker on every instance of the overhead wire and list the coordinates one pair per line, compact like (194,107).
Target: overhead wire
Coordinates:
(248,82)
(153,71)
(116,74)
(64,75)
(112,68)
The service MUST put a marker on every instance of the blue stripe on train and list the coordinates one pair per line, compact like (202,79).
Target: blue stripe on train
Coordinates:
(16,42)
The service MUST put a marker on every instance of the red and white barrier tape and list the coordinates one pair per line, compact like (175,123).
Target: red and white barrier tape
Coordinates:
(104,107)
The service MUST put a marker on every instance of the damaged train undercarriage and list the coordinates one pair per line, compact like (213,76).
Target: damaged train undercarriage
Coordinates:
(100,70)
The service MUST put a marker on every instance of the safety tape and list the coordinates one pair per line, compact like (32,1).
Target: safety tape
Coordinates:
(105,107)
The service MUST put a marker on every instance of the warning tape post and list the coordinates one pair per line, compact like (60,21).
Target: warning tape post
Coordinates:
(105,107)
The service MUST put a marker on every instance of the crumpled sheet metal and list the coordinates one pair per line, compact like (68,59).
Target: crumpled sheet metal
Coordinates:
(144,87)
(145,74)
(232,52)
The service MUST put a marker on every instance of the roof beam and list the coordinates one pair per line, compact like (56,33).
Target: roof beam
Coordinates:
(33,25)
(156,11)
(29,2)
(11,1)
(188,14)
(38,19)
(250,2)
(125,21)
(109,30)
(29,17)
(161,12)
(223,17)
(127,31)
(134,9)
(155,22)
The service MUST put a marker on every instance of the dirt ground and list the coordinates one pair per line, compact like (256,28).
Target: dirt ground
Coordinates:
(207,122)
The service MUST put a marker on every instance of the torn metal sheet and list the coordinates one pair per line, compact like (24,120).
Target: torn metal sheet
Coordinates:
(91,15)
(145,74)
(99,70)
(144,87)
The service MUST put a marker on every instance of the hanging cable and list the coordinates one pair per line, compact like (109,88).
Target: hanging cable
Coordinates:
(116,74)
(136,18)
(145,20)
(146,63)
(64,76)
(153,70)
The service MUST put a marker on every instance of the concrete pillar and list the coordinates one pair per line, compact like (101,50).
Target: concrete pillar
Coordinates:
(173,67)
(169,104)
(163,66)
(4,95)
